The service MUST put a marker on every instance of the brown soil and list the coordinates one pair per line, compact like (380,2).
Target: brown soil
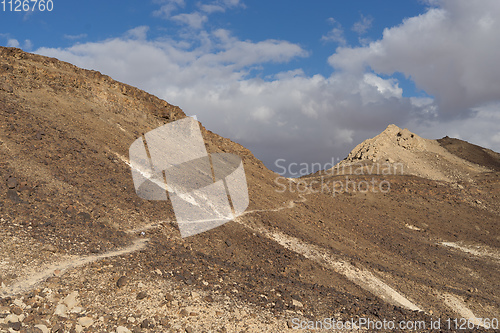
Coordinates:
(471,152)
(70,221)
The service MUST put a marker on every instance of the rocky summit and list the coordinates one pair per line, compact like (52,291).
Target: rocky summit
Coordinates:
(404,231)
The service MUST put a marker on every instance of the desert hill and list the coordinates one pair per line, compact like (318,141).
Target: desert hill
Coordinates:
(431,159)
(80,251)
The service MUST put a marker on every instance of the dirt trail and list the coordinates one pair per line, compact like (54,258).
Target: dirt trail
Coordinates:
(32,280)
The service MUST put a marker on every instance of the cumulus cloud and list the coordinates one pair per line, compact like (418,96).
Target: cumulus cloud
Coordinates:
(448,51)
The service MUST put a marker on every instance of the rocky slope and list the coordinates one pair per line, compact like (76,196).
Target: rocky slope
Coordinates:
(415,156)
(81,252)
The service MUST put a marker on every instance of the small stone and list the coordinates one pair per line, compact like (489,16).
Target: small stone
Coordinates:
(297,303)
(77,309)
(15,326)
(164,322)
(61,310)
(13,196)
(140,285)
(16,310)
(183,313)
(208,299)
(158,271)
(142,295)
(42,328)
(195,295)
(122,329)
(71,300)
(12,318)
(169,297)
(58,328)
(193,314)
(147,323)
(34,330)
(78,328)
(189,329)
(84,216)
(122,281)
(12,182)
(85,321)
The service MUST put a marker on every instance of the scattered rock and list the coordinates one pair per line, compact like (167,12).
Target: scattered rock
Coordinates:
(17,310)
(15,326)
(122,281)
(142,295)
(297,303)
(12,318)
(61,310)
(84,216)
(169,297)
(85,321)
(13,196)
(147,323)
(122,329)
(58,328)
(12,182)
(42,328)
(71,300)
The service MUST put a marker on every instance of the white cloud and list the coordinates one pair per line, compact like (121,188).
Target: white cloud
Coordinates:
(138,32)
(211,8)
(336,34)
(74,37)
(194,20)
(450,52)
(28,45)
(13,43)
(363,25)
(387,88)
(167,7)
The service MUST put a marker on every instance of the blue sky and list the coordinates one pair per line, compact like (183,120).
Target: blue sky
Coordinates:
(303,81)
